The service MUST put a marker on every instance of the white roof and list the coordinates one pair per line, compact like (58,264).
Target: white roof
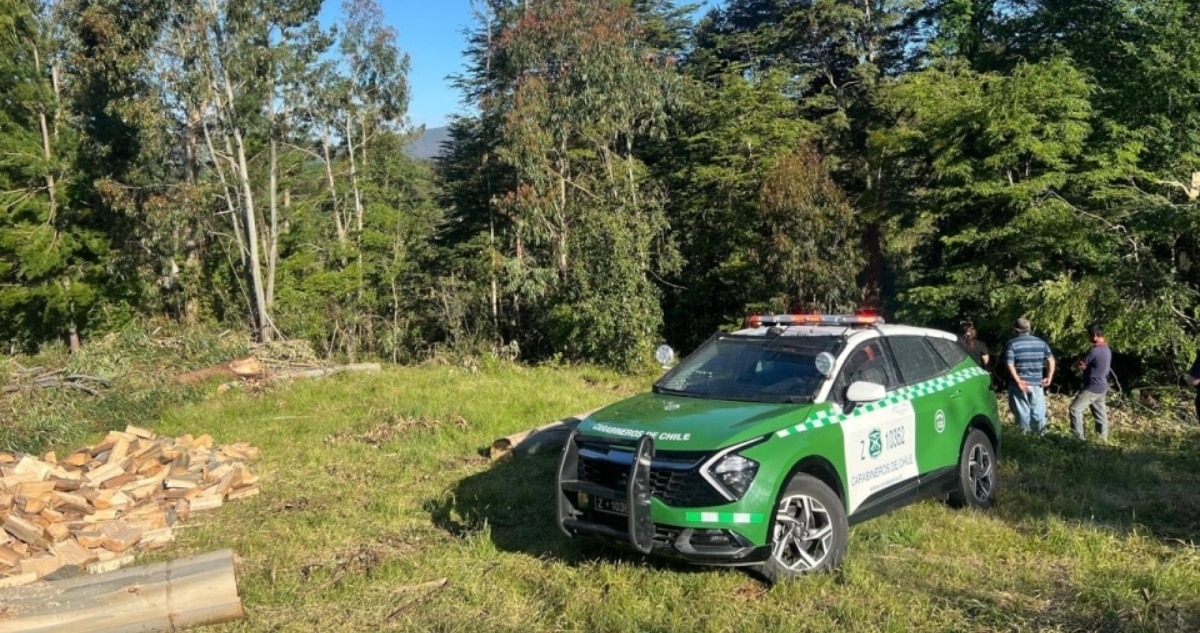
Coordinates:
(852,334)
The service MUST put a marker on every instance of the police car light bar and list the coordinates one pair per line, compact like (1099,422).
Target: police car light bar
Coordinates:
(759,320)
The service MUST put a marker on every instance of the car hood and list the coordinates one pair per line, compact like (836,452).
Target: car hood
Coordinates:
(690,424)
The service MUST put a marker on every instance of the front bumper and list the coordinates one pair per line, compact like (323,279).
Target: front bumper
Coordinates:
(635,529)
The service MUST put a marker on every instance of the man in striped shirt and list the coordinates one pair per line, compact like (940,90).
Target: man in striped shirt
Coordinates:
(1028,358)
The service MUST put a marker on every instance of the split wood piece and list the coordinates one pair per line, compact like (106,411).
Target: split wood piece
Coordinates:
(72,553)
(41,564)
(123,539)
(244,492)
(24,530)
(10,557)
(158,538)
(140,432)
(205,502)
(162,597)
(78,459)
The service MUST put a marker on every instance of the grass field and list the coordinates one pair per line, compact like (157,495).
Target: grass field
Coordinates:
(375,485)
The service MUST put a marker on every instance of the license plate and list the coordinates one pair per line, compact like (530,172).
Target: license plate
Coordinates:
(611,506)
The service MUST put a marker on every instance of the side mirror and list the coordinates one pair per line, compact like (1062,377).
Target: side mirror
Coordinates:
(664,355)
(863,391)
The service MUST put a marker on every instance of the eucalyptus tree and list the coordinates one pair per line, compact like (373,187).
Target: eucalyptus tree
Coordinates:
(567,91)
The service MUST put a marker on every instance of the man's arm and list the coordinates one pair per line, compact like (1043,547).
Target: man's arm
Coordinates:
(1049,375)
(1012,371)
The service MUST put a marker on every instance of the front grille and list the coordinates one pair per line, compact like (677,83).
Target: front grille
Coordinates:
(674,482)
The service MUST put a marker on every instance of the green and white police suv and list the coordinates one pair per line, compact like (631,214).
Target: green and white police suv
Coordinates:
(764,445)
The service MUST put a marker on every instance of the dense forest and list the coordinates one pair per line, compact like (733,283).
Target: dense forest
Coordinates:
(633,171)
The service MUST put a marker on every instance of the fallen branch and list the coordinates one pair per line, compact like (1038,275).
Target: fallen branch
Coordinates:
(432,587)
(56,378)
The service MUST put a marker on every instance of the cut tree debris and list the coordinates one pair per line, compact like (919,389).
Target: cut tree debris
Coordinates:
(28,378)
(102,502)
(254,369)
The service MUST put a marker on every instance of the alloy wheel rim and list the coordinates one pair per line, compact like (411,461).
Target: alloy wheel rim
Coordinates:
(803,534)
(981,469)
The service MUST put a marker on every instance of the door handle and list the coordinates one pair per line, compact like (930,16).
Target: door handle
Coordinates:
(956,394)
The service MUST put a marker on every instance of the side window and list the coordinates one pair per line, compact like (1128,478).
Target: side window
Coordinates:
(868,362)
(915,358)
(952,352)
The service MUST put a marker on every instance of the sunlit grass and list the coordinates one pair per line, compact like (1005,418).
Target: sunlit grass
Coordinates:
(376,483)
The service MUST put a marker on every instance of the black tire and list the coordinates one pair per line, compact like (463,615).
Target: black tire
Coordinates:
(808,505)
(978,473)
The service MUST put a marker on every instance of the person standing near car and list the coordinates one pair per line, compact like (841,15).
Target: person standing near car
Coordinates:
(1027,358)
(975,347)
(1095,365)
(1193,379)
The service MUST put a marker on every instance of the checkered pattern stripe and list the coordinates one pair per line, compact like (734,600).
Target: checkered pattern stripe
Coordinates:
(729,518)
(830,416)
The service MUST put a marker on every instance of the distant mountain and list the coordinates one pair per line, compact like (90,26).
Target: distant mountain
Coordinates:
(429,145)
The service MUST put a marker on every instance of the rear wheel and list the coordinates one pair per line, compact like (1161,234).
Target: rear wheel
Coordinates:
(809,532)
(978,475)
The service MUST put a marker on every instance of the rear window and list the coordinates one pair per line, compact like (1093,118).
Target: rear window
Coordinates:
(952,352)
(915,358)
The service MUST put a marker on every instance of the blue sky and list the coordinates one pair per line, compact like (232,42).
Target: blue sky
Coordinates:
(431,32)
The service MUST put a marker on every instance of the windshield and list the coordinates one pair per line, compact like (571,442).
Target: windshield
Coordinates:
(757,368)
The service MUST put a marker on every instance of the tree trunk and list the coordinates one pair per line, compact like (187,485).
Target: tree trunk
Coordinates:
(358,205)
(272,234)
(162,597)
(337,214)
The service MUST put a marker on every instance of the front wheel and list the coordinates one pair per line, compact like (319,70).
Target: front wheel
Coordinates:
(809,532)
(978,474)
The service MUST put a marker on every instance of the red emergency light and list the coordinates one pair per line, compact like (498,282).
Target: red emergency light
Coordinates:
(865,318)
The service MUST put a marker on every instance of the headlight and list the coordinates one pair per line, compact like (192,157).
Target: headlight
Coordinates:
(735,473)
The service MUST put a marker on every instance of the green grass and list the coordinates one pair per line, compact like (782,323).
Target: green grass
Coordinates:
(374,483)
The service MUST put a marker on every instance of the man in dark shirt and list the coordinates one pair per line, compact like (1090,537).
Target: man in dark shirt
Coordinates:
(1095,365)
(975,347)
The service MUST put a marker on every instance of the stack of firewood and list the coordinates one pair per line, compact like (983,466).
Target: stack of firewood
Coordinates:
(91,509)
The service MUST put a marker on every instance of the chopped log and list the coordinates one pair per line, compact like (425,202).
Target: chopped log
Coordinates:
(242,493)
(41,565)
(206,502)
(238,368)
(123,539)
(72,553)
(24,530)
(545,438)
(162,597)
(140,432)
(10,557)
(114,496)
